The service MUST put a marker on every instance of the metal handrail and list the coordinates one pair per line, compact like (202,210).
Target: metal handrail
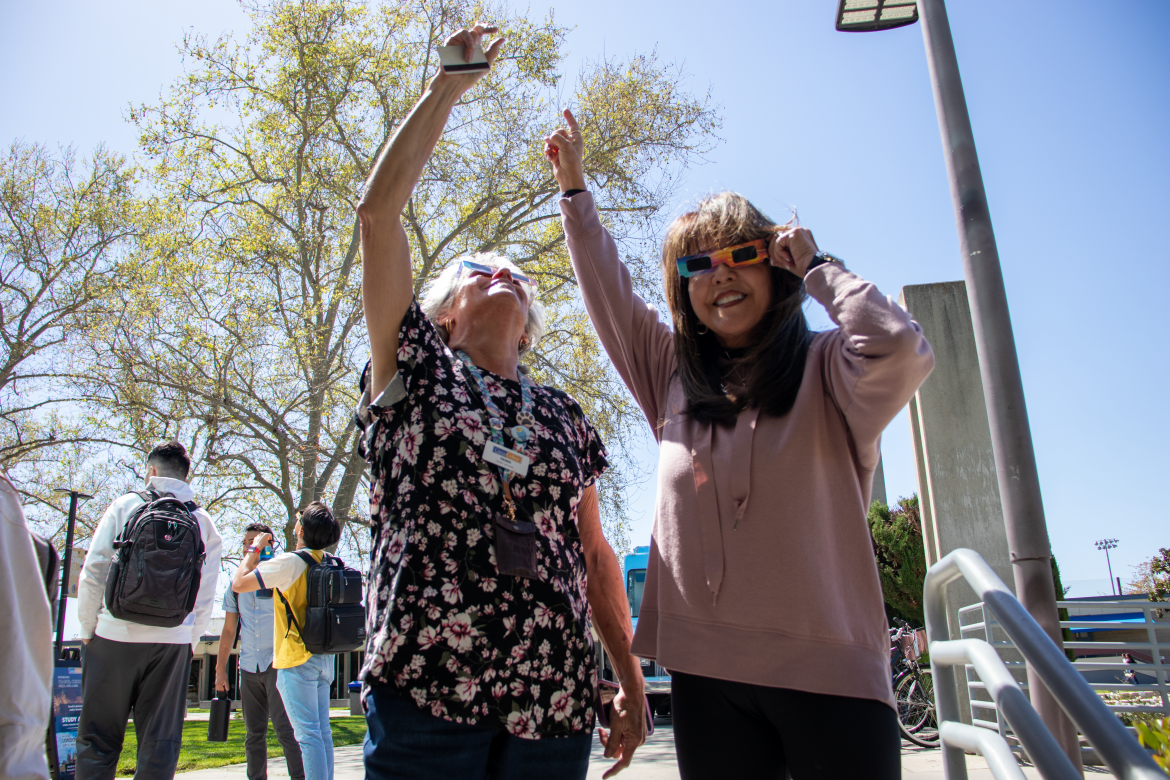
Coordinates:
(1042,747)
(1000,759)
(1120,751)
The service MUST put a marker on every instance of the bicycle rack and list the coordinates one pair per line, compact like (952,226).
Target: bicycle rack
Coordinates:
(1120,751)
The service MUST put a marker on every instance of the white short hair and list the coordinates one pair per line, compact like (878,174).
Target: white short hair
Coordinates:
(439,294)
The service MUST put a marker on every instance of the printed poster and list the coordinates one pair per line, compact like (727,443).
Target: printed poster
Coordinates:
(66,713)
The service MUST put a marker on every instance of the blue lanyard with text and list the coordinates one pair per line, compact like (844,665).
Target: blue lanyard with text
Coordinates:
(524,419)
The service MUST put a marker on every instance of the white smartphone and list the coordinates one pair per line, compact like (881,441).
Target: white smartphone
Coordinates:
(451,59)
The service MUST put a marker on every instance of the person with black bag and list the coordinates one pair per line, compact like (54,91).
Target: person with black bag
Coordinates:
(249,620)
(318,614)
(144,598)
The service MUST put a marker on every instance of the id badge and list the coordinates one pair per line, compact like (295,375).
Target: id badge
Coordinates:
(499,455)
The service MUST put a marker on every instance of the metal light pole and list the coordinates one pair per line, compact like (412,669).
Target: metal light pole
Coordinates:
(1003,389)
(73,497)
(1107,545)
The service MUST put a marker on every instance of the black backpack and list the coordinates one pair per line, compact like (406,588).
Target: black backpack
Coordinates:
(335,621)
(158,563)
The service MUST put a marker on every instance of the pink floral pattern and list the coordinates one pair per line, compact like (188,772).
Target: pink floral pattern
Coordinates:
(445,628)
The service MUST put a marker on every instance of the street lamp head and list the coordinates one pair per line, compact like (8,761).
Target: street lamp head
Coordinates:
(1106,544)
(873,15)
(81,496)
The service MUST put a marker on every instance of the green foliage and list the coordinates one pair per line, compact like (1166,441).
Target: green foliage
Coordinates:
(64,224)
(1155,736)
(1061,613)
(901,557)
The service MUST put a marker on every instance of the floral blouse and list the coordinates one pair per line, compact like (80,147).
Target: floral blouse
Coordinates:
(445,628)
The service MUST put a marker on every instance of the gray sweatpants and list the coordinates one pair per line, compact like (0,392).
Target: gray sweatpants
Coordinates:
(261,701)
(151,679)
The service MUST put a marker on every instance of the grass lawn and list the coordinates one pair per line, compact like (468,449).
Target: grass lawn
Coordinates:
(198,753)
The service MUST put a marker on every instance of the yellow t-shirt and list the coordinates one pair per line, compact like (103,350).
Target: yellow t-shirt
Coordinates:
(285,574)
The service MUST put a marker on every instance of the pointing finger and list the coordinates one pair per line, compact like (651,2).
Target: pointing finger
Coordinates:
(571,120)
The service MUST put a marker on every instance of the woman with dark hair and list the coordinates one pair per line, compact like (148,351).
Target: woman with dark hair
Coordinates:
(762,595)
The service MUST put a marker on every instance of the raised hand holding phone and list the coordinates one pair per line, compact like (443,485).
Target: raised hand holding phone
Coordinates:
(463,60)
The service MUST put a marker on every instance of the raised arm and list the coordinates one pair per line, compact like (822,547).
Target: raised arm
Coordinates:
(877,357)
(639,345)
(387,283)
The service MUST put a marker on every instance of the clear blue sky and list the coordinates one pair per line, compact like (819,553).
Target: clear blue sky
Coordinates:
(1070,109)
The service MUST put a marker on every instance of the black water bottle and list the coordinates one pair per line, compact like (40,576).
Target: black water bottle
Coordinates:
(217,724)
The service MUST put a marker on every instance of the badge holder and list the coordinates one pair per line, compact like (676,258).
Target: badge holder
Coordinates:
(515,541)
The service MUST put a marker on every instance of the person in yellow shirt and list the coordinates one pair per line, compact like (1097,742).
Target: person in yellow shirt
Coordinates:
(302,678)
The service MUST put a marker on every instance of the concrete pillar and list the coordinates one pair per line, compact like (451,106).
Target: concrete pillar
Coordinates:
(957,486)
(879,483)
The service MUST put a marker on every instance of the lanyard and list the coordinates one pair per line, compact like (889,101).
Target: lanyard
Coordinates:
(525,420)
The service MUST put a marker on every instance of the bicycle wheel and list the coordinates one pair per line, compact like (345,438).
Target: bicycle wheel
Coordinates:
(917,719)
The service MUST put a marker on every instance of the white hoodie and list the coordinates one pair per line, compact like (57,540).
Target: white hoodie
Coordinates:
(91,588)
(26,647)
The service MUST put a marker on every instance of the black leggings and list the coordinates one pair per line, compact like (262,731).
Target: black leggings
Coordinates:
(728,730)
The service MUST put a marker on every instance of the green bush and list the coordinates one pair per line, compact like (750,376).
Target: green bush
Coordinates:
(1155,736)
(901,557)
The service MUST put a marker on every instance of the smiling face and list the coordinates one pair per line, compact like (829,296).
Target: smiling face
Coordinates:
(731,302)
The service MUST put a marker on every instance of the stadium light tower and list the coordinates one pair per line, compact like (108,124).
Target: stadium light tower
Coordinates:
(1107,545)
(1003,388)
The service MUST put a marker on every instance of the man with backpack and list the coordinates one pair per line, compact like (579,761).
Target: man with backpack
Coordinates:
(253,614)
(143,600)
(318,614)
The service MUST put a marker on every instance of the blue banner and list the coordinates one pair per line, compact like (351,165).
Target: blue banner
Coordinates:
(66,714)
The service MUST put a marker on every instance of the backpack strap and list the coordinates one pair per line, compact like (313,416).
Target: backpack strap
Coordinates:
(308,558)
(288,612)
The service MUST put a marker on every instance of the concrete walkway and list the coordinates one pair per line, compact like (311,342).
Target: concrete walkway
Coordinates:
(654,761)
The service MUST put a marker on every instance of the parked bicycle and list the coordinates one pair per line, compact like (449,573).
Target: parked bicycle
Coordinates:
(913,685)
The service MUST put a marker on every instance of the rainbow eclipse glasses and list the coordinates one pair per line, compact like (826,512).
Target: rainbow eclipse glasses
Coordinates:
(741,254)
(479,269)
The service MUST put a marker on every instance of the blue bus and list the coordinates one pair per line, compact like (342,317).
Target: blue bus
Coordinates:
(657,678)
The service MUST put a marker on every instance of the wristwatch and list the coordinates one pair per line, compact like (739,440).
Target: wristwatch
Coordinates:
(820,258)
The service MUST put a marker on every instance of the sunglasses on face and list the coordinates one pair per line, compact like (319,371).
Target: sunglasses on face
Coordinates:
(479,269)
(734,256)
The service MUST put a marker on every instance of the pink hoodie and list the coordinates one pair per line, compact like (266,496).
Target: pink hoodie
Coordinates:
(761,564)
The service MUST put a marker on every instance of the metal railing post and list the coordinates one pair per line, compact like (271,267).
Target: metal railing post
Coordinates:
(946,695)
(1120,751)
(1042,747)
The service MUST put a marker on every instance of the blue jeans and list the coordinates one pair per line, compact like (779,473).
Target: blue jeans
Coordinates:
(405,743)
(305,690)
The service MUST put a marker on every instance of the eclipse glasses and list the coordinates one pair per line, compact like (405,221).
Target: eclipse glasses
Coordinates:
(734,256)
(479,269)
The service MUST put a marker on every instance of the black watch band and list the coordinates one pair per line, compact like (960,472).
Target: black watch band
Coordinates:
(820,258)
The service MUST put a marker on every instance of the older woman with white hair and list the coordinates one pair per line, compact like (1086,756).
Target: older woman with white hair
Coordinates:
(489,560)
